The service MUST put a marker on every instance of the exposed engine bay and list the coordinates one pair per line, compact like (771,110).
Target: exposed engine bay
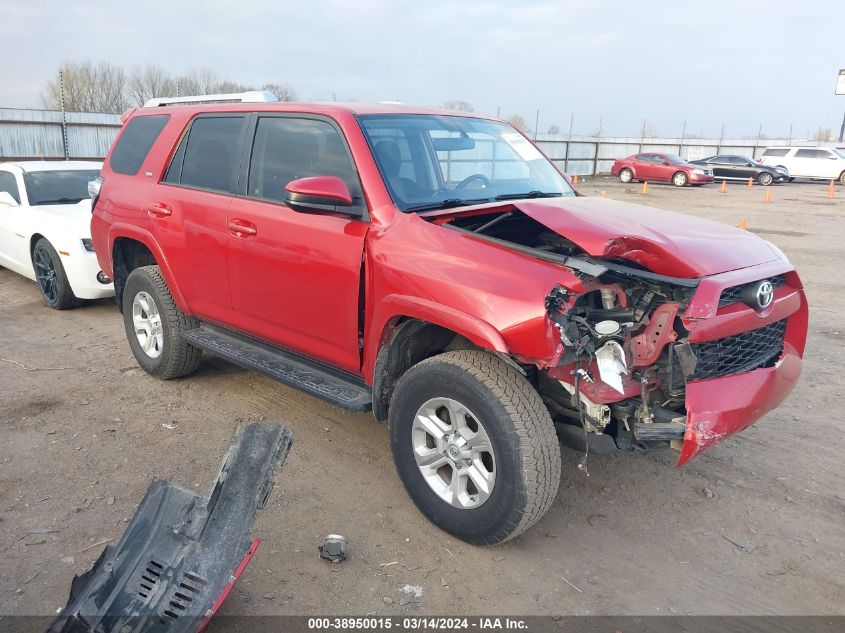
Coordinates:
(619,371)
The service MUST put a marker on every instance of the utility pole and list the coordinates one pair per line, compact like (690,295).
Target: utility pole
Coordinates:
(64,114)
(536,124)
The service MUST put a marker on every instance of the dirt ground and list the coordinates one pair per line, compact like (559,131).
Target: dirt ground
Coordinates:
(754,526)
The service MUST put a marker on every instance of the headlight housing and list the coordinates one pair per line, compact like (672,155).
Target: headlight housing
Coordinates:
(700,172)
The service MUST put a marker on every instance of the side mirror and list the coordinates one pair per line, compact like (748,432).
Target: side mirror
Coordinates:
(319,193)
(6,200)
(666,163)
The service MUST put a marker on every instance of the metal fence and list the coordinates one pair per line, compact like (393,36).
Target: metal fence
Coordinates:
(45,134)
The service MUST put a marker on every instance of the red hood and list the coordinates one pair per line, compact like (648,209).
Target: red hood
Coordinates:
(664,242)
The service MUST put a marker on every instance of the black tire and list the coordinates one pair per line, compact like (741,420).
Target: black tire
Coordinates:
(764,178)
(842,179)
(626,175)
(51,277)
(680,179)
(521,432)
(174,357)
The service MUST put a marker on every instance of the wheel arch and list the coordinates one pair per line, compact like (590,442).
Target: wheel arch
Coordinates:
(129,252)
(410,336)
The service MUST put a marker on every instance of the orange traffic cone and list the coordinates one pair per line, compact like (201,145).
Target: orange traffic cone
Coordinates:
(644,190)
(831,190)
(750,182)
(575,179)
(724,187)
(604,194)
(743,223)
(768,196)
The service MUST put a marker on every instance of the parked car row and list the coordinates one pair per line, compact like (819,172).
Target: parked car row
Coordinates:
(777,165)
(485,313)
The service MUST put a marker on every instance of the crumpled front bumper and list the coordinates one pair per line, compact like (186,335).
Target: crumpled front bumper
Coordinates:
(719,407)
(722,406)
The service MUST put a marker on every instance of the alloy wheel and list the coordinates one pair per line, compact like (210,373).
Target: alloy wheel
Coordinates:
(147,322)
(45,274)
(454,453)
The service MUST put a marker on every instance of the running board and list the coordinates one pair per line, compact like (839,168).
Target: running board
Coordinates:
(332,385)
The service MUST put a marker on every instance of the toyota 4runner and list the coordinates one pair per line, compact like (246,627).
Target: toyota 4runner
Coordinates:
(437,269)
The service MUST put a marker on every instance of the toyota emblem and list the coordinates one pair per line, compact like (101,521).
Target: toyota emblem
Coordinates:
(764,294)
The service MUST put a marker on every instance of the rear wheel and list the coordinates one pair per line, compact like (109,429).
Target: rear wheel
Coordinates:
(626,175)
(51,277)
(154,326)
(765,178)
(474,446)
(680,179)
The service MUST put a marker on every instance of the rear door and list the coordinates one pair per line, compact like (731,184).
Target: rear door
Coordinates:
(721,167)
(188,210)
(296,277)
(645,167)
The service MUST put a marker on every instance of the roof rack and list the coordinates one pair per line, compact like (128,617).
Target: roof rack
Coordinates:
(253,96)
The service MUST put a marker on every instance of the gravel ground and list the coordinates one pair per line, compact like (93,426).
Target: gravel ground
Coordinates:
(754,526)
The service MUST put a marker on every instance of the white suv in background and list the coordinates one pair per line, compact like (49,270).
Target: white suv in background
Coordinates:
(808,162)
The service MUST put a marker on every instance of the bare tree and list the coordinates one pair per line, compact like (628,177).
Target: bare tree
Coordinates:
(283,92)
(554,129)
(518,122)
(823,134)
(149,82)
(228,87)
(198,82)
(87,88)
(460,106)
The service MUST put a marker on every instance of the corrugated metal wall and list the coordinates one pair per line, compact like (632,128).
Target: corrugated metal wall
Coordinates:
(37,134)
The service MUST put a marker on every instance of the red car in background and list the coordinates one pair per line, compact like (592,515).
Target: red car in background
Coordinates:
(661,168)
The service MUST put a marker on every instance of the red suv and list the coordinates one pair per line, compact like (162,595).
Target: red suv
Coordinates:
(436,268)
(661,168)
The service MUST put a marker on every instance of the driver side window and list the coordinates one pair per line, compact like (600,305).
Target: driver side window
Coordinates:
(289,148)
(9,185)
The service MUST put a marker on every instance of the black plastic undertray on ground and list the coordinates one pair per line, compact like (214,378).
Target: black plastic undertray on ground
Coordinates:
(182,551)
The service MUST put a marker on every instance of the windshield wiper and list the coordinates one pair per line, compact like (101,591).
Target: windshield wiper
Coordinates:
(65,200)
(448,203)
(530,194)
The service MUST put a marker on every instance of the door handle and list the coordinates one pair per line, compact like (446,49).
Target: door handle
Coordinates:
(242,228)
(159,210)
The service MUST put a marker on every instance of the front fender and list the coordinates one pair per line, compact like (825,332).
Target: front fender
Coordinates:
(395,306)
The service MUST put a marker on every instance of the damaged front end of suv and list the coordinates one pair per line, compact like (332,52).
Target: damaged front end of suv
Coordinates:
(644,359)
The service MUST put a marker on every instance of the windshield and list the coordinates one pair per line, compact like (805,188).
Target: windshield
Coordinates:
(672,158)
(430,161)
(67,186)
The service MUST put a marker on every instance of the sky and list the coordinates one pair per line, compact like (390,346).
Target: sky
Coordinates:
(741,64)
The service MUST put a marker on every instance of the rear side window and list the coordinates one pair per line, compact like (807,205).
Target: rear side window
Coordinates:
(812,153)
(287,148)
(9,185)
(135,142)
(209,154)
(776,152)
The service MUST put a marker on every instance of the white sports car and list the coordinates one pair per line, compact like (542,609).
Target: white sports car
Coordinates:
(45,229)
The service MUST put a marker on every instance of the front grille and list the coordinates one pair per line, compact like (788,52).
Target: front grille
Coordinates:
(742,352)
(732,295)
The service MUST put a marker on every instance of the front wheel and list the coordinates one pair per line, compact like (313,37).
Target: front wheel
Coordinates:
(680,179)
(154,326)
(626,175)
(842,179)
(474,446)
(765,178)
(51,277)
